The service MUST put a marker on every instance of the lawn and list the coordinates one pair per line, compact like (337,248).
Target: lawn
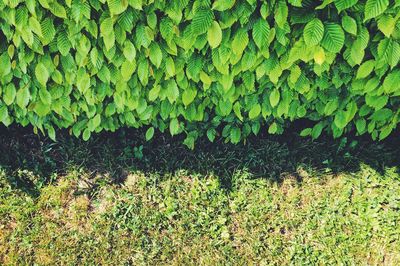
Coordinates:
(117,200)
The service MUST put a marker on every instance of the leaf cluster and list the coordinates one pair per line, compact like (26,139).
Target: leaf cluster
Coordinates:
(200,67)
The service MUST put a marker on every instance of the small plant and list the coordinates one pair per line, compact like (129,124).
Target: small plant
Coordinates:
(138,152)
(131,152)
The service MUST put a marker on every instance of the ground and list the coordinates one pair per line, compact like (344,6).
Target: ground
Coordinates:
(117,200)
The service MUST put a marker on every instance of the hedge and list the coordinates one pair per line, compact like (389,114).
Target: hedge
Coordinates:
(224,67)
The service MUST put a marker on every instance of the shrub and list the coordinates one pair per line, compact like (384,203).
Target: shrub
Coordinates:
(200,67)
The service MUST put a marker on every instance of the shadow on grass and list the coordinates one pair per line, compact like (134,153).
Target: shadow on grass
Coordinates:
(114,155)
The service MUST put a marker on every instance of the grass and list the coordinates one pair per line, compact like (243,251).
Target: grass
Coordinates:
(272,201)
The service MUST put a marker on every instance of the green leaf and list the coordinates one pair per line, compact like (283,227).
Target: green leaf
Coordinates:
(377,102)
(211,134)
(44,4)
(202,20)
(237,110)
(167,29)
(386,24)
(331,106)
(372,84)
(317,130)
(313,32)
(94,58)
(235,135)
(83,81)
(154,92)
(344,4)
(172,91)
(127,69)
(9,94)
(155,54)
(392,81)
(149,133)
(143,72)
(385,132)
(42,109)
(374,8)
(3,113)
(107,32)
(58,10)
(5,65)
(117,6)
(382,114)
(281,13)
(365,69)
(189,141)
(296,3)
(63,43)
(170,66)
(174,127)
(260,33)
(333,39)
(41,73)
(225,107)
(301,111)
(51,132)
(35,26)
(361,125)
(48,31)
(392,53)
(106,27)
(221,5)
(273,128)
(45,96)
(86,134)
(22,97)
(306,132)
(136,4)
(341,119)
(357,52)
(319,55)
(274,97)
(349,24)
(188,96)
(109,41)
(214,35)
(27,36)
(94,123)
(240,41)
(255,111)
(129,51)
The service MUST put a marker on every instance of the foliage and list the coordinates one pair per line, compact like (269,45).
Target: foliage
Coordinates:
(200,67)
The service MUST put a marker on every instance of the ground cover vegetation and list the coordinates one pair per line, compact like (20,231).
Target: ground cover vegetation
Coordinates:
(119,200)
(224,67)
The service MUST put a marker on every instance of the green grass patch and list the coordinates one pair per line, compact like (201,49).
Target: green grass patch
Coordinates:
(270,202)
